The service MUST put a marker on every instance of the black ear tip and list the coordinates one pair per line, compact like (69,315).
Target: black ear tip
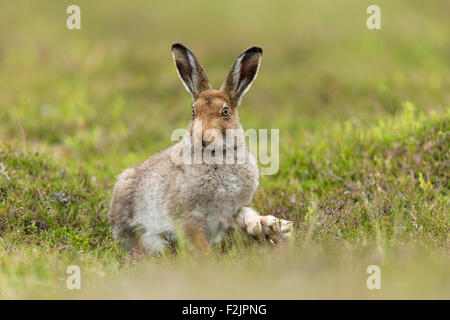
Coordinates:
(177,45)
(254,50)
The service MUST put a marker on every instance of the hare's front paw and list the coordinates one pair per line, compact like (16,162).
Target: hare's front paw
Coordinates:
(274,229)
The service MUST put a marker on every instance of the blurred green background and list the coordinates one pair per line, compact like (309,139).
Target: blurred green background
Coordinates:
(111,88)
(363,116)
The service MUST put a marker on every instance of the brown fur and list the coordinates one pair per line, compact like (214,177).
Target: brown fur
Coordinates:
(208,108)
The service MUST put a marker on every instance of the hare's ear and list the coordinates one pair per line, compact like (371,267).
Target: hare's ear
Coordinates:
(242,74)
(190,71)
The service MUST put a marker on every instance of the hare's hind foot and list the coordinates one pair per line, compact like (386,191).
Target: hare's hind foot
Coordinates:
(270,227)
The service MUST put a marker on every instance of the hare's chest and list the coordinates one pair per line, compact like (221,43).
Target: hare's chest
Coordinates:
(223,187)
(228,186)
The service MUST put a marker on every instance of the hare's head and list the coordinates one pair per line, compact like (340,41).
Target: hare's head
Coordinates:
(215,111)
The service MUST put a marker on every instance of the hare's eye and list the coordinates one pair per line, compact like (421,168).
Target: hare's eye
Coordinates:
(225,112)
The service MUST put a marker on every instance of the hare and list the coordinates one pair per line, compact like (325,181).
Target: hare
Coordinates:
(206,199)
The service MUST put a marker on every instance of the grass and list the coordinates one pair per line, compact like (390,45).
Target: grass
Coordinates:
(364,123)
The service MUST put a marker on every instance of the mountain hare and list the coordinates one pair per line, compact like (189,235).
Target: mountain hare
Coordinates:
(205,199)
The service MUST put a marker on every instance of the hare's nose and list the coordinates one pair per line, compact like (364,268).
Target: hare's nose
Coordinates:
(207,138)
(205,142)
